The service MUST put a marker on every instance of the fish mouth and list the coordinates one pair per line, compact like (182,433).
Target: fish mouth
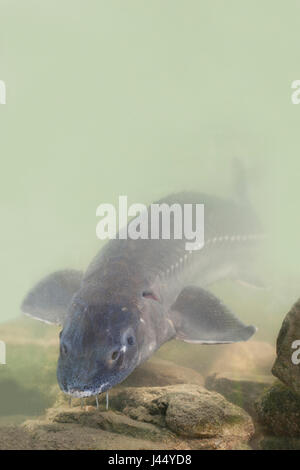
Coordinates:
(73,392)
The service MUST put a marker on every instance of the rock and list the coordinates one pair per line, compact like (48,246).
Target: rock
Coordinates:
(187,410)
(279,443)
(205,415)
(106,420)
(242,390)
(284,368)
(158,373)
(15,438)
(279,411)
(44,435)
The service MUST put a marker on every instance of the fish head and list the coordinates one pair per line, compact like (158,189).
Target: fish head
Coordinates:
(98,348)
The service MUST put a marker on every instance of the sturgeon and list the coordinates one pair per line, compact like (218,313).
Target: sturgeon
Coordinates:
(138,294)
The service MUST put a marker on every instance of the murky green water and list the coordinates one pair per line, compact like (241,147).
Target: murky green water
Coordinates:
(144,99)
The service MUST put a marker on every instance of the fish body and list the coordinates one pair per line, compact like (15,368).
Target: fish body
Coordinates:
(137,294)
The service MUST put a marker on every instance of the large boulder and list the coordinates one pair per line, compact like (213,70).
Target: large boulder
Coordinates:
(189,411)
(285,368)
(279,411)
(242,390)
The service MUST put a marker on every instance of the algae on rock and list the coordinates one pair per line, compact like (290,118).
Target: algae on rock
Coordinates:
(284,368)
(279,411)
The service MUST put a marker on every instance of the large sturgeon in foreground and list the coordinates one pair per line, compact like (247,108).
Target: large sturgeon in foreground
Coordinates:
(138,294)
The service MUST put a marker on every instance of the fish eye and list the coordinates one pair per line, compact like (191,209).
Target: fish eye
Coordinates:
(130,340)
(115,355)
(149,295)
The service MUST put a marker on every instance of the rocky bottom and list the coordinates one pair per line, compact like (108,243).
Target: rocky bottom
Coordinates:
(231,403)
(173,417)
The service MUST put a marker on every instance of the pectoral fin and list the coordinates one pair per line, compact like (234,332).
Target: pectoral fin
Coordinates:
(200,317)
(49,299)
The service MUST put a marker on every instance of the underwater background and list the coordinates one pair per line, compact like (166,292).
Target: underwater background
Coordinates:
(140,98)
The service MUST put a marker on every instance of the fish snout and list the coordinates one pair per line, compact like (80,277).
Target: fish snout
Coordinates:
(90,364)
